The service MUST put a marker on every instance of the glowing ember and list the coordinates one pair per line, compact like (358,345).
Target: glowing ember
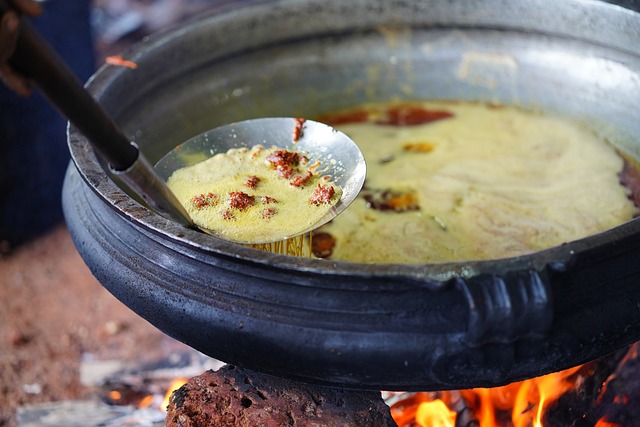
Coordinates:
(604,423)
(146,401)
(115,395)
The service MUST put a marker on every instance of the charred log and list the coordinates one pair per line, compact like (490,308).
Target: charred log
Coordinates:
(598,393)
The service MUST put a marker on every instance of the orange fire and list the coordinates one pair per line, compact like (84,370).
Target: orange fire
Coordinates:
(175,384)
(146,401)
(436,413)
(605,423)
(524,402)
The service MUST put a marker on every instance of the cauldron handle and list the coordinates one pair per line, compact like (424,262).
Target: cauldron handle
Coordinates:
(506,308)
(34,58)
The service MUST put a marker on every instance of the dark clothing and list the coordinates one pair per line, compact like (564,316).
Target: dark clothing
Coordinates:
(33,145)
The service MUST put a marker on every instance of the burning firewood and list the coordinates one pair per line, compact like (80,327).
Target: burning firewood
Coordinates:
(606,394)
(601,393)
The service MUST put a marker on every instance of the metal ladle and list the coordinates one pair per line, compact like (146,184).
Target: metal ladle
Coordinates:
(34,58)
(339,157)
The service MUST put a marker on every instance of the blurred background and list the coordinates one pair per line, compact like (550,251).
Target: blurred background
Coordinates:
(116,23)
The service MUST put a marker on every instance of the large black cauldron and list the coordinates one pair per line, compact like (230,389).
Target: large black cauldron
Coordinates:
(431,326)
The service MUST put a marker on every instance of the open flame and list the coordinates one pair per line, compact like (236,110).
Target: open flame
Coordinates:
(520,404)
(436,413)
(175,384)
(596,393)
(156,401)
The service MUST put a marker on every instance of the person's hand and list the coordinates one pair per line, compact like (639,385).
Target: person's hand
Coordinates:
(9,30)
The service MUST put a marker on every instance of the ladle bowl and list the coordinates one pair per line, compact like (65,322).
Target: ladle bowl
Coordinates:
(339,157)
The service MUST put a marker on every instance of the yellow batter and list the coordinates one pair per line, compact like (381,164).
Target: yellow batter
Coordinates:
(485,183)
(243,196)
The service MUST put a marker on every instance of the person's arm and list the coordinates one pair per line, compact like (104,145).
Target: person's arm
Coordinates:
(9,29)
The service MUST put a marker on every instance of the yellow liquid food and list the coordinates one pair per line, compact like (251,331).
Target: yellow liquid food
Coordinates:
(479,182)
(244,196)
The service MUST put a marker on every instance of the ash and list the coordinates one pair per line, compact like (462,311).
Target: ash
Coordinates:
(125,394)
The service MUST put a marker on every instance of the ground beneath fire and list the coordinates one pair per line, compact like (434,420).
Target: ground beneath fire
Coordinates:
(53,315)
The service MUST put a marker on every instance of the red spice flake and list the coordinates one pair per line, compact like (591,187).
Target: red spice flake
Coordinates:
(203,200)
(199,201)
(268,200)
(301,180)
(322,244)
(252,181)
(407,115)
(297,130)
(267,213)
(357,116)
(322,194)
(285,171)
(241,201)
(284,157)
(228,216)
(284,161)
(120,61)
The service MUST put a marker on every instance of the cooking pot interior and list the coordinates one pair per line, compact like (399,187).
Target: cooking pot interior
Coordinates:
(189,83)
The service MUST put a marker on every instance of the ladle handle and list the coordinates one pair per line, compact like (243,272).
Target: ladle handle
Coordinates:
(34,58)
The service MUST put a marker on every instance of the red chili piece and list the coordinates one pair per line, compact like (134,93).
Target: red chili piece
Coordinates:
(199,201)
(268,213)
(357,116)
(268,200)
(252,181)
(284,161)
(241,201)
(285,171)
(297,130)
(203,200)
(301,180)
(322,194)
(407,115)
(284,157)
(228,216)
